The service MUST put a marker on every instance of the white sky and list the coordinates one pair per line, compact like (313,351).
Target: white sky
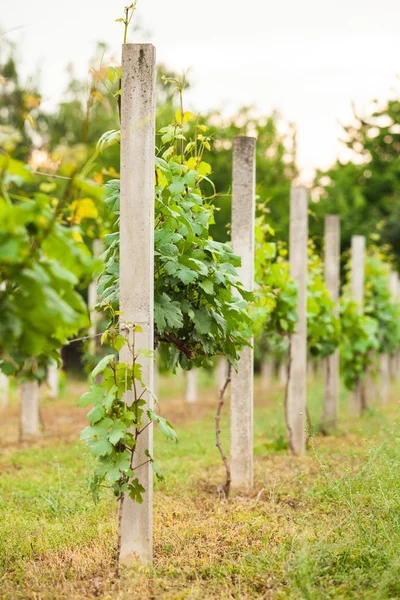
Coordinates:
(310,59)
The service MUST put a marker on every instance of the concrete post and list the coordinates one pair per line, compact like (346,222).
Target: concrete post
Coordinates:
(4,383)
(191,387)
(4,389)
(370,393)
(397,360)
(156,380)
(221,371)
(93,298)
(53,380)
(296,400)
(267,370)
(137,268)
(332,282)
(384,379)
(94,341)
(310,370)
(241,403)
(283,372)
(391,367)
(29,391)
(357,402)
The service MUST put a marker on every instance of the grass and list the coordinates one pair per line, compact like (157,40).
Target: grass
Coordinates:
(323,526)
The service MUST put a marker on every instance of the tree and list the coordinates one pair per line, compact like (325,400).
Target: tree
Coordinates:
(19,105)
(275,160)
(365,192)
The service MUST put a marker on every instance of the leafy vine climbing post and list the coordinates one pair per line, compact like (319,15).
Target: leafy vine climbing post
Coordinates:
(137,272)
(332,282)
(357,292)
(243,222)
(296,397)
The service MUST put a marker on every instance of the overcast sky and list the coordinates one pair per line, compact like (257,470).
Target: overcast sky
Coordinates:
(310,59)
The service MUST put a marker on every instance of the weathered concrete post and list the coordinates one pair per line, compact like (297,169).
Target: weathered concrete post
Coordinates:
(29,391)
(191,387)
(241,403)
(296,400)
(357,402)
(332,282)
(4,389)
(137,266)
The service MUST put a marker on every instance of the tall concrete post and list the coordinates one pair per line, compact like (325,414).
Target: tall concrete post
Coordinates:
(332,282)
(137,268)
(29,391)
(296,397)
(241,403)
(4,389)
(191,387)
(357,401)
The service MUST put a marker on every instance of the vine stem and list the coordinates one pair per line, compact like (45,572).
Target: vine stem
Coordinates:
(227,486)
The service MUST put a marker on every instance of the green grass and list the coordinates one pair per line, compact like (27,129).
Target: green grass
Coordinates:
(323,526)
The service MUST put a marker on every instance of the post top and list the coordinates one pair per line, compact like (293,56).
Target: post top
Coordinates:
(141,51)
(244,140)
(299,195)
(129,44)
